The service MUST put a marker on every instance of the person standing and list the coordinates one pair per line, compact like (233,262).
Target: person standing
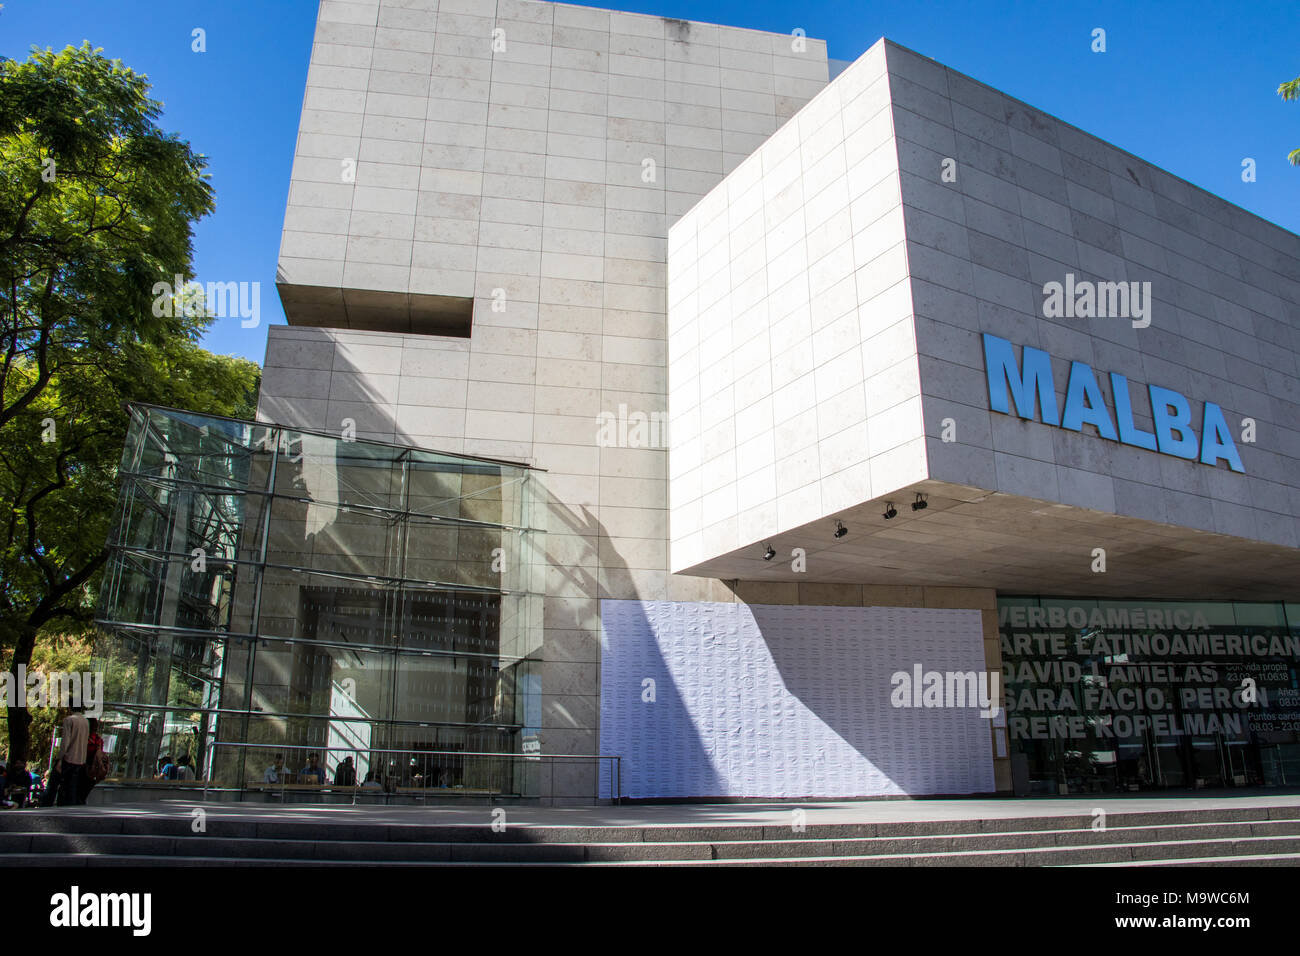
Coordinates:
(94,746)
(72,758)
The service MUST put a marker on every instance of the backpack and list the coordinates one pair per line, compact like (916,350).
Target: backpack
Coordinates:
(97,766)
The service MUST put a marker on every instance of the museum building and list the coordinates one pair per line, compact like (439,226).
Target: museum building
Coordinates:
(668,411)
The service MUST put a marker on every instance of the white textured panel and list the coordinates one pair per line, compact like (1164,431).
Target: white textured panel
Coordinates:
(795,257)
(786,700)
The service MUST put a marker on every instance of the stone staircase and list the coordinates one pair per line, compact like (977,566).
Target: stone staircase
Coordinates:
(1233,836)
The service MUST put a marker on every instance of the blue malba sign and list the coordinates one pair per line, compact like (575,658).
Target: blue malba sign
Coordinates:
(1171,412)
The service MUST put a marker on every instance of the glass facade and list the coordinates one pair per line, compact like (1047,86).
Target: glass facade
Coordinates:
(272,593)
(1105,696)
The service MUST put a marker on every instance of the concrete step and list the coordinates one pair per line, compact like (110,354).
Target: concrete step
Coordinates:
(1029,839)
(1026,848)
(347,850)
(221,824)
(1171,853)
(212,844)
(1258,859)
(245,838)
(1224,853)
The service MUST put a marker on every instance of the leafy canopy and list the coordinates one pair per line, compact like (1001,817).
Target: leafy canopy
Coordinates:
(97,204)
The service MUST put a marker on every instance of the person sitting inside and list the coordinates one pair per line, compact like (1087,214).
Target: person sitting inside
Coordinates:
(372,783)
(313,772)
(345,774)
(276,772)
(166,769)
(183,769)
(413,776)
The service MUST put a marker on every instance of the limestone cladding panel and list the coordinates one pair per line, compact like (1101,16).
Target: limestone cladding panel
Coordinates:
(1035,199)
(531,156)
(787,405)
(794,385)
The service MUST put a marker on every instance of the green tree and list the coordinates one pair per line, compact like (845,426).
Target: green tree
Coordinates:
(1290,92)
(55,652)
(97,204)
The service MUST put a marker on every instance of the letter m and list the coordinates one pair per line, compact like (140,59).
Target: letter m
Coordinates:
(1113,300)
(962,689)
(1036,377)
(222,299)
(117,907)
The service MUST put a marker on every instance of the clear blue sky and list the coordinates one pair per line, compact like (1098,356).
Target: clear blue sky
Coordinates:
(1189,86)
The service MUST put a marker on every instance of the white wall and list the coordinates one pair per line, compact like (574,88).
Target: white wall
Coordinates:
(794,389)
(520,170)
(1036,199)
(787,701)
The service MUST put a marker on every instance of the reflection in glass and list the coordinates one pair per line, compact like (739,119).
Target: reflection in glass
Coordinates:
(1113,695)
(280,606)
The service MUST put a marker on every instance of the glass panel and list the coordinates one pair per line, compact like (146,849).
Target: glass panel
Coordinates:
(1128,695)
(339,539)
(274,593)
(306,677)
(141,741)
(303,605)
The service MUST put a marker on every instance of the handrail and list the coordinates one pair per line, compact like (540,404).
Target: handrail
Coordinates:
(117,706)
(616,774)
(409,750)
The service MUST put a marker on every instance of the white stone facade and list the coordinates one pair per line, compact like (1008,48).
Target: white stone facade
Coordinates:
(644,221)
(540,179)
(827,307)
(794,385)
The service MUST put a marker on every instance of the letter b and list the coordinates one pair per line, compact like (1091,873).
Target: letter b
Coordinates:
(1172,416)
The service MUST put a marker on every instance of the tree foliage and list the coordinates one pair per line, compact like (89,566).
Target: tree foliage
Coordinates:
(97,204)
(57,652)
(1290,92)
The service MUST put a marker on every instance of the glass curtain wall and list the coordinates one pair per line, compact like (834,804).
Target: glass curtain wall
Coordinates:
(272,594)
(1115,696)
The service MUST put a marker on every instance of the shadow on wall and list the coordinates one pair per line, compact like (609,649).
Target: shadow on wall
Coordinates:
(789,701)
(577,544)
(820,724)
(624,699)
(840,669)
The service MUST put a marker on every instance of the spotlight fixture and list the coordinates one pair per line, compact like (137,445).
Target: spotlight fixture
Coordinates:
(889,511)
(920,503)
(769,554)
(840,530)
